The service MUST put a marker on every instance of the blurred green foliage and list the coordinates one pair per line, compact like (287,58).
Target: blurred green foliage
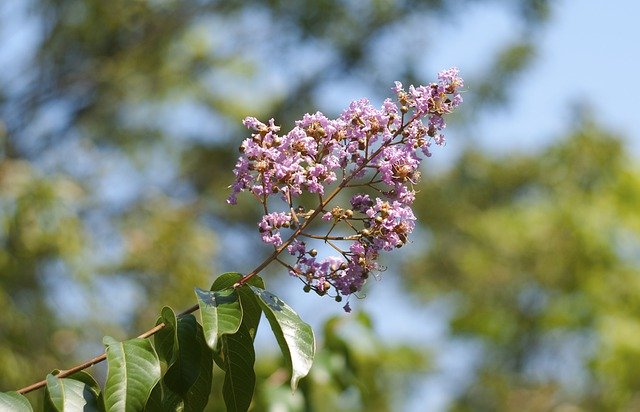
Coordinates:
(540,252)
(117,140)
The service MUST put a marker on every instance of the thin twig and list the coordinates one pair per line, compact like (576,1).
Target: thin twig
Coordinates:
(99,358)
(258,269)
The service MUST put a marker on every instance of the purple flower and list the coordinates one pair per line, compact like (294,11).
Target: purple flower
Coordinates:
(270,225)
(376,150)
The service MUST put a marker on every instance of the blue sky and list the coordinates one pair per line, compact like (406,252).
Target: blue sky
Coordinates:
(589,55)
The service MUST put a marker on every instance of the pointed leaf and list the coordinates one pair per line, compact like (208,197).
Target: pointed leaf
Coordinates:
(166,339)
(66,394)
(251,311)
(154,403)
(187,383)
(250,308)
(294,336)
(198,394)
(87,379)
(184,372)
(220,312)
(226,280)
(133,371)
(238,357)
(14,402)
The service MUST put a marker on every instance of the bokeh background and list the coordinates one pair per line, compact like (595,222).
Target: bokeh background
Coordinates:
(119,127)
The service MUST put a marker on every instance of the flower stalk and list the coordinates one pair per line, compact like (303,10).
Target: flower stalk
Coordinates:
(374,150)
(308,159)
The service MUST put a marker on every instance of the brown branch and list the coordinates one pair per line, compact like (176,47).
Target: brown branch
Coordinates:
(265,263)
(99,358)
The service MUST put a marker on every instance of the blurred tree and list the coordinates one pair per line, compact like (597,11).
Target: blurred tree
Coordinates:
(540,252)
(118,127)
(354,370)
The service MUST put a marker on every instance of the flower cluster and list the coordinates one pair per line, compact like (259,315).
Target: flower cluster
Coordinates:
(372,152)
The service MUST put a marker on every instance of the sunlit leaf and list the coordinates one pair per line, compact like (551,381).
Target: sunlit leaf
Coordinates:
(134,369)
(236,355)
(220,312)
(67,394)
(14,402)
(250,308)
(294,336)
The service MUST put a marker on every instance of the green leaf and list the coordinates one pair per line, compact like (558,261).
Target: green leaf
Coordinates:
(220,312)
(198,394)
(154,402)
(67,394)
(14,402)
(226,280)
(238,358)
(187,383)
(134,369)
(294,336)
(166,339)
(87,379)
(250,307)
(236,355)
(184,372)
